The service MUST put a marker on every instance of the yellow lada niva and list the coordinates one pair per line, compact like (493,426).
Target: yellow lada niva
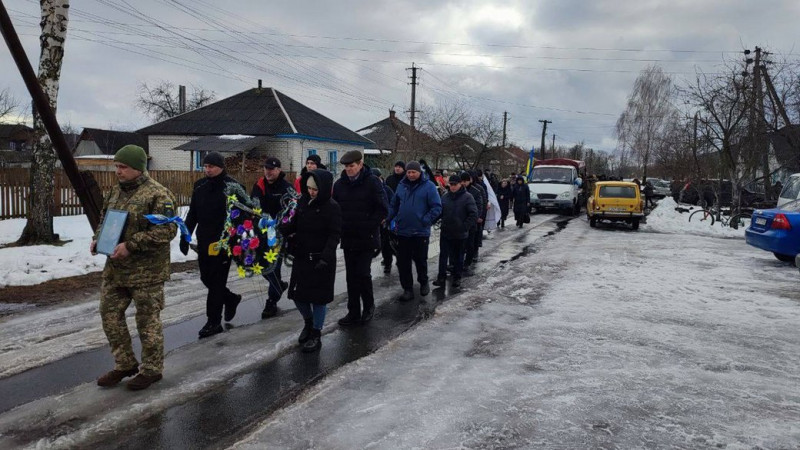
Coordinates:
(615,201)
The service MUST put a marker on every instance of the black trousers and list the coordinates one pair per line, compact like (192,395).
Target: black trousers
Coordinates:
(471,250)
(451,250)
(386,248)
(412,249)
(214,275)
(359,280)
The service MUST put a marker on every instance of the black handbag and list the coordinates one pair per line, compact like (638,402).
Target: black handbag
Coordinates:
(526,218)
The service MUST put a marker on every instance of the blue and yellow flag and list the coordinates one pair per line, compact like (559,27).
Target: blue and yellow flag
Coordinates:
(529,168)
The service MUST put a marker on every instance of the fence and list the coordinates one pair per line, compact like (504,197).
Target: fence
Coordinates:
(15,189)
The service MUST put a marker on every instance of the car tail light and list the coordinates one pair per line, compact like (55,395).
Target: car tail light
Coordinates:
(780,222)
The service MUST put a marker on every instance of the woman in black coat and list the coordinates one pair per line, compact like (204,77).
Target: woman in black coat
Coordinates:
(522,201)
(313,235)
(504,193)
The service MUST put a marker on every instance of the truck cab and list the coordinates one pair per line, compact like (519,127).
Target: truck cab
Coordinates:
(557,184)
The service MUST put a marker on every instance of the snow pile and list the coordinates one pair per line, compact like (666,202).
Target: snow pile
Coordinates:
(26,266)
(665,219)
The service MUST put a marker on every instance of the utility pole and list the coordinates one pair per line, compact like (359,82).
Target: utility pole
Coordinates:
(760,129)
(553,147)
(544,132)
(181,99)
(414,84)
(505,119)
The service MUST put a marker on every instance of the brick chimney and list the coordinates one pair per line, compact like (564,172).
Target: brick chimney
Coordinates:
(391,114)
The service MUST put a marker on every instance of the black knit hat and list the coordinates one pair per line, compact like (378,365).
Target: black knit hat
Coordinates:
(465,176)
(400,164)
(413,165)
(315,159)
(454,179)
(214,159)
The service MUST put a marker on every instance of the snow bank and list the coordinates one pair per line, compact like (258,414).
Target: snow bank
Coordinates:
(26,266)
(664,219)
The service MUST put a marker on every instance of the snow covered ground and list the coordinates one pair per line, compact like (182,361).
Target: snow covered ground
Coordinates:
(587,338)
(25,266)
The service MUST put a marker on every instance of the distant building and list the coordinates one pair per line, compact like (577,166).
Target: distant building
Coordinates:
(16,145)
(256,123)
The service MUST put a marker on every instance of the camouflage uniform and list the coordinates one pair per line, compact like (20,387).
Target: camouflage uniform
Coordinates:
(139,277)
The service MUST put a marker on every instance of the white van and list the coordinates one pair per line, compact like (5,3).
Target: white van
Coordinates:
(790,191)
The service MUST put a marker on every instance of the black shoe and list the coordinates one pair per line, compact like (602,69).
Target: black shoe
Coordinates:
(284,286)
(367,314)
(424,289)
(230,308)
(314,342)
(467,272)
(210,329)
(306,333)
(456,282)
(270,310)
(350,321)
(407,296)
(440,282)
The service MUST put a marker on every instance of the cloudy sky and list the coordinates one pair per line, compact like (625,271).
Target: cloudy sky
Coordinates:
(569,61)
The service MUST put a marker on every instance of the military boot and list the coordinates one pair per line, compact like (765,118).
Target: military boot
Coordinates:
(113,377)
(143,381)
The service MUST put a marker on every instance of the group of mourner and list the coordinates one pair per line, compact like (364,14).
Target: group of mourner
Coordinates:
(360,211)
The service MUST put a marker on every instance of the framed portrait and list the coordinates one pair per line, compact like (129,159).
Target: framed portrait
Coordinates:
(111,231)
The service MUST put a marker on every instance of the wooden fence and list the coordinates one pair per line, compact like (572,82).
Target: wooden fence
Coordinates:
(15,189)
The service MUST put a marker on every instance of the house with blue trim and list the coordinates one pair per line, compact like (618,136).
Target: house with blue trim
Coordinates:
(255,124)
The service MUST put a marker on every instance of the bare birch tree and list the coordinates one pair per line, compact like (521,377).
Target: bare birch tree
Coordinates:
(160,102)
(39,227)
(648,115)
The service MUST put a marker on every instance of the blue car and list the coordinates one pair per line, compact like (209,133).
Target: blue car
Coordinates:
(776,230)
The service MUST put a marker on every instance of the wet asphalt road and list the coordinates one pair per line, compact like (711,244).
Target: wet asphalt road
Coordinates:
(219,417)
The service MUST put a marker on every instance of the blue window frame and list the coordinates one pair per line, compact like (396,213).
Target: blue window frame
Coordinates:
(198,160)
(333,159)
(312,151)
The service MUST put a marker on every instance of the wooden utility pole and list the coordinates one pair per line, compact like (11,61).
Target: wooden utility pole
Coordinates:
(414,84)
(759,130)
(84,184)
(553,147)
(505,119)
(544,132)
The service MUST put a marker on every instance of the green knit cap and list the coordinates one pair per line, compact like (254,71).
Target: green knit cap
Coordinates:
(132,156)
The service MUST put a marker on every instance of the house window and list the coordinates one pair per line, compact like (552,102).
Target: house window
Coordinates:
(198,160)
(312,151)
(333,159)
(12,145)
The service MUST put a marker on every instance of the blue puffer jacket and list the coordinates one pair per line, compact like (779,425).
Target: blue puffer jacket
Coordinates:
(414,207)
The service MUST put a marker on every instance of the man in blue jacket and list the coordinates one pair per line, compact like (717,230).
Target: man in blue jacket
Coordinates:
(413,209)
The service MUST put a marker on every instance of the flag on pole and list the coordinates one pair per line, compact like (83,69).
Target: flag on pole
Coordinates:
(529,169)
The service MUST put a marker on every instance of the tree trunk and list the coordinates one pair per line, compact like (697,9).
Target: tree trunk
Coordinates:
(39,228)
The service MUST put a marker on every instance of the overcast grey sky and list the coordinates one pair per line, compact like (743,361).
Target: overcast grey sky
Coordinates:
(572,62)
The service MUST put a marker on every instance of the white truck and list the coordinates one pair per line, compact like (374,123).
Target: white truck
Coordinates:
(557,184)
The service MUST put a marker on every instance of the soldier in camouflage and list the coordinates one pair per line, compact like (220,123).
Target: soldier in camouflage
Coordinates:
(136,270)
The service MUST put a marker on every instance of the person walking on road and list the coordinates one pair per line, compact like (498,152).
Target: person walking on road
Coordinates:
(459,215)
(269,191)
(364,206)
(313,162)
(471,249)
(136,270)
(414,208)
(522,201)
(208,212)
(394,179)
(386,235)
(314,233)
(504,193)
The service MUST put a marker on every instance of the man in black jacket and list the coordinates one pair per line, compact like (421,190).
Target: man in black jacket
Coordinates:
(386,235)
(477,195)
(459,214)
(364,206)
(269,190)
(399,173)
(207,212)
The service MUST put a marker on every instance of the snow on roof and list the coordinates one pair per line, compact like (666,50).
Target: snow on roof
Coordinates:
(95,157)
(235,136)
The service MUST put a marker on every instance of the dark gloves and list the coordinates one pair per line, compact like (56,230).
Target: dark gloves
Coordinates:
(184,246)
(321,265)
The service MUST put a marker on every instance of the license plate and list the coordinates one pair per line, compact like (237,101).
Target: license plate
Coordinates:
(616,209)
(761,221)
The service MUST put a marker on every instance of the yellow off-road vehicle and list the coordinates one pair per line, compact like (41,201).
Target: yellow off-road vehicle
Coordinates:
(615,201)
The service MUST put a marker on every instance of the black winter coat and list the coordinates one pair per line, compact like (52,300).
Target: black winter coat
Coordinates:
(394,179)
(208,208)
(522,199)
(477,196)
(270,194)
(459,214)
(482,211)
(313,235)
(504,195)
(364,206)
